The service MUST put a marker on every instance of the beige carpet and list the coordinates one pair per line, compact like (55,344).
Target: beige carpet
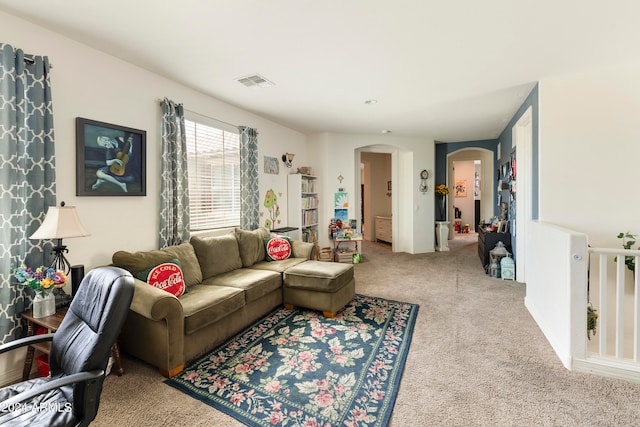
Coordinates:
(477,358)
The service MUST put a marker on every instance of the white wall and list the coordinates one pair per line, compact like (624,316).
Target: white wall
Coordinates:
(556,274)
(338,155)
(88,83)
(589,149)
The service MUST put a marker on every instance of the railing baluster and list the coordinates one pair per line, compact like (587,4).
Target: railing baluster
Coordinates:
(636,310)
(620,306)
(602,318)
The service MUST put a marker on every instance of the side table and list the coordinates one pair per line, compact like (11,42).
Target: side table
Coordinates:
(338,240)
(52,323)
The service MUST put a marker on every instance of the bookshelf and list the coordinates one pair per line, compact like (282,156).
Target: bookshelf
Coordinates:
(302,206)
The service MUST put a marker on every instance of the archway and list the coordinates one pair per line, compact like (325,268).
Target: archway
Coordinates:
(487,191)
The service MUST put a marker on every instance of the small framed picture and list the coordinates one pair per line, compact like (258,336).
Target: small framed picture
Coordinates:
(110,159)
(271,165)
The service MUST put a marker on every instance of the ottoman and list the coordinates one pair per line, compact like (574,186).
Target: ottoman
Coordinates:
(322,286)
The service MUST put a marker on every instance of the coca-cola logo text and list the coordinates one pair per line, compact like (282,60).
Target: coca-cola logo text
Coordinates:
(167,277)
(278,248)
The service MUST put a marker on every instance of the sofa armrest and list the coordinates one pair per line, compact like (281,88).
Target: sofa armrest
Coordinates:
(302,249)
(156,304)
(154,329)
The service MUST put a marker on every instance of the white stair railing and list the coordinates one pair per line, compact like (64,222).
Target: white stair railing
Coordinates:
(624,310)
(614,291)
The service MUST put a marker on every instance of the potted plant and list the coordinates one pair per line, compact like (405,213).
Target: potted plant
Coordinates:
(592,320)
(43,280)
(628,240)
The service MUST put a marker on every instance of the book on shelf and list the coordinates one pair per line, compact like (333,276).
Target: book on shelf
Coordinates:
(310,202)
(325,254)
(309,235)
(309,217)
(308,185)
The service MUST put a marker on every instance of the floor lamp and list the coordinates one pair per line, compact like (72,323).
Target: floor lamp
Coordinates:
(61,222)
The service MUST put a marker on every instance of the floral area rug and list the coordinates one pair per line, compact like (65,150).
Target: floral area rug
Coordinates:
(298,368)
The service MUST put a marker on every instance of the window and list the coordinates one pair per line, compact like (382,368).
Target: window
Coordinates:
(214,176)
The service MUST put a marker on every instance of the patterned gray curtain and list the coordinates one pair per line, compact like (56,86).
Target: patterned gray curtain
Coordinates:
(27,174)
(249,191)
(174,196)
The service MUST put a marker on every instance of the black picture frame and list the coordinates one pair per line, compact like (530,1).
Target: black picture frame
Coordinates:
(110,159)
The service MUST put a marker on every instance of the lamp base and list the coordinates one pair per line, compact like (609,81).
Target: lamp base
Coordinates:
(60,262)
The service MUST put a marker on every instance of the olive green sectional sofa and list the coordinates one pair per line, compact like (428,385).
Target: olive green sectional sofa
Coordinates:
(229,286)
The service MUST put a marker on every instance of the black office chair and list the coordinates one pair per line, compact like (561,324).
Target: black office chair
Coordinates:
(80,351)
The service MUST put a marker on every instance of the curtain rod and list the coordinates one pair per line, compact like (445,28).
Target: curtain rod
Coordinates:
(212,118)
(202,115)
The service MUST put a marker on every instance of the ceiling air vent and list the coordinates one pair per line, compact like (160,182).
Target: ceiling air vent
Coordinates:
(254,80)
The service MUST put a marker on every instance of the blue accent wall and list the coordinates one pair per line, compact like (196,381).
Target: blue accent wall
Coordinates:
(505,139)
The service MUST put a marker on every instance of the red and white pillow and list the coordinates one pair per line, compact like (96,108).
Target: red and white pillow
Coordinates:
(277,248)
(166,276)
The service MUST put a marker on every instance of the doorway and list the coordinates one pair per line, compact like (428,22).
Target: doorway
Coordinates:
(476,168)
(376,195)
(466,195)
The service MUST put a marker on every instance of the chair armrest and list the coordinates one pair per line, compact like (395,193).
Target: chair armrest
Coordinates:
(154,303)
(50,385)
(33,339)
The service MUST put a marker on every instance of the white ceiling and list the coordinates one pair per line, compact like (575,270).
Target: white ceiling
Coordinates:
(452,70)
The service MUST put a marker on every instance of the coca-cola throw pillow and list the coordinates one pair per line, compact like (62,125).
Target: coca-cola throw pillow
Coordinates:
(166,276)
(277,248)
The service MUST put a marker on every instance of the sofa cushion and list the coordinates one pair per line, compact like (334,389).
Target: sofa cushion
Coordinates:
(319,276)
(254,283)
(135,262)
(278,266)
(251,245)
(277,248)
(300,249)
(204,305)
(217,255)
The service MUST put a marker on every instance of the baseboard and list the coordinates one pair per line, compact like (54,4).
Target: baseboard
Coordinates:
(608,368)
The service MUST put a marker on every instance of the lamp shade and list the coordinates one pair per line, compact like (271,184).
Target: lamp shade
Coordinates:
(59,223)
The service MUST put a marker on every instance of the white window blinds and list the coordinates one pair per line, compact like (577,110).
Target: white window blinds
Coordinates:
(214,176)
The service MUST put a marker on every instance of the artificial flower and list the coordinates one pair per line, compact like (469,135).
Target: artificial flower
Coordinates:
(442,190)
(42,279)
